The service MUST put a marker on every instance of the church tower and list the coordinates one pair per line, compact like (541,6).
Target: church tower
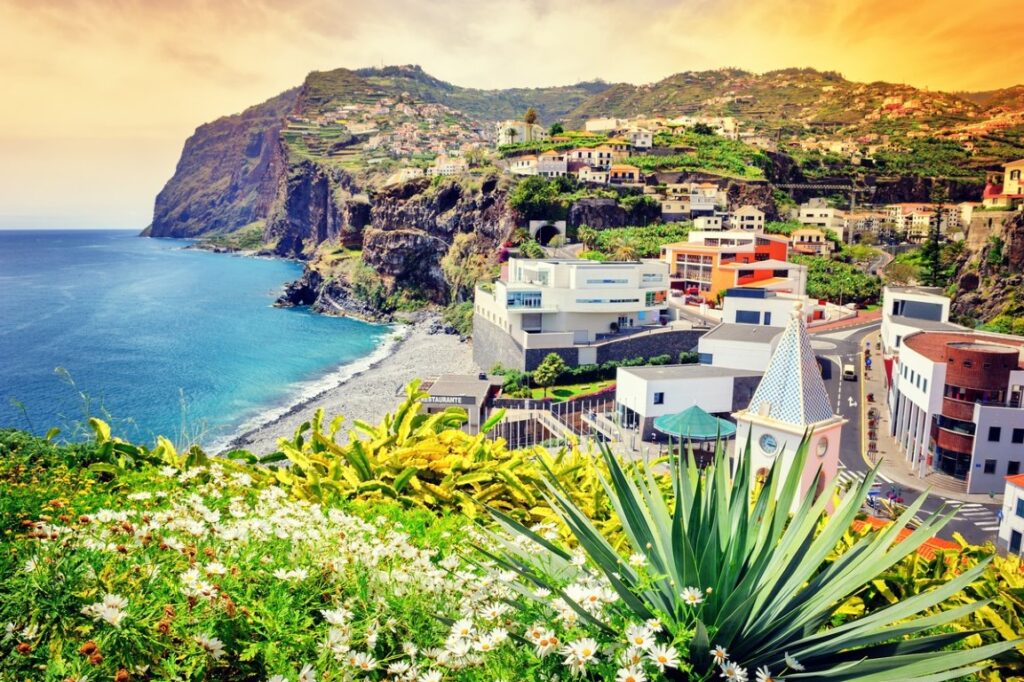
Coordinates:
(791,400)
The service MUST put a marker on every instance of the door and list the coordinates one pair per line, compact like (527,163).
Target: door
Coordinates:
(1015,542)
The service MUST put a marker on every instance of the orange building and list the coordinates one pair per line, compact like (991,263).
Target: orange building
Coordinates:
(711,262)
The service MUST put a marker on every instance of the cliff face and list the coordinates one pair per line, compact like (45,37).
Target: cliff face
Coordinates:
(404,231)
(228,174)
(316,204)
(989,280)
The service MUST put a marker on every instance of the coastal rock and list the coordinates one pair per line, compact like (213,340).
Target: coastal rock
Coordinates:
(228,173)
(303,291)
(599,214)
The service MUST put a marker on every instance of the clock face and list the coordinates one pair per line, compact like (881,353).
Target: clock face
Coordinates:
(768,444)
(822,447)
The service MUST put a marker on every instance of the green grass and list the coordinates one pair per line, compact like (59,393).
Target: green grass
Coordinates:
(568,391)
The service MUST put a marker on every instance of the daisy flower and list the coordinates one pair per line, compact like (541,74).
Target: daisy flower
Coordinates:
(664,656)
(640,636)
(213,646)
(792,663)
(691,596)
(720,655)
(765,675)
(733,672)
(630,674)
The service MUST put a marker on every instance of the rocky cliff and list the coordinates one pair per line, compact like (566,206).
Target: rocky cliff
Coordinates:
(228,175)
(989,279)
(405,230)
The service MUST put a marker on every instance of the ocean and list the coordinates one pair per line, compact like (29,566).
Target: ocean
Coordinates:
(158,339)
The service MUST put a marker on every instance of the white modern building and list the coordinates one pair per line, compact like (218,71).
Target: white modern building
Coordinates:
(643,394)
(751,305)
(738,346)
(523,165)
(1011,528)
(817,213)
(791,401)
(703,198)
(748,218)
(955,405)
(640,138)
(569,304)
(906,310)
(449,165)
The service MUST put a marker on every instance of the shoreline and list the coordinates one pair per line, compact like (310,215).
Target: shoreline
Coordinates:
(365,394)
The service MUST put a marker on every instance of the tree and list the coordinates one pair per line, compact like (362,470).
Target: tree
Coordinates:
(933,274)
(622,250)
(548,371)
(703,129)
(530,116)
(587,236)
(901,274)
(511,132)
(556,129)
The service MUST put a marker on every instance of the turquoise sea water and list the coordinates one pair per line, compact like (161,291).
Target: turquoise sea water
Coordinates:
(165,340)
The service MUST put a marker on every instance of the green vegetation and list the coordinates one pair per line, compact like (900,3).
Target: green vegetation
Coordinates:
(738,583)
(837,281)
(562,392)
(336,560)
(549,370)
(246,238)
(708,152)
(469,261)
(642,242)
(460,316)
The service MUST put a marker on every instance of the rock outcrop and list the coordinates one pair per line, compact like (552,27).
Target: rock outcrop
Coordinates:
(989,280)
(228,175)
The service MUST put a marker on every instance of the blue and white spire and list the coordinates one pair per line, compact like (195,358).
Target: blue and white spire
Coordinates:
(792,391)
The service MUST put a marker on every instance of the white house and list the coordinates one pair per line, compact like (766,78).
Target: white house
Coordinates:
(643,394)
(603,125)
(817,213)
(523,165)
(751,305)
(906,310)
(792,401)
(595,176)
(738,346)
(552,164)
(640,138)
(512,132)
(703,198)
(707,223)
(747,218)
(1011,528)
(449,165)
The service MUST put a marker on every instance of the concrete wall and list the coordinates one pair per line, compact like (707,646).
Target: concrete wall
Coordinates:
(492,345)
(649,345)
(1002,451)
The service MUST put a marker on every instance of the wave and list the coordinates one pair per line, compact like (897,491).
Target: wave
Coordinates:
(304,392)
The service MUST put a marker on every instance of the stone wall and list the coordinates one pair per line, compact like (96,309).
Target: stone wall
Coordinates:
(492,345)
(649,345)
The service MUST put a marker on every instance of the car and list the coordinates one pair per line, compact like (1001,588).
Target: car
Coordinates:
(849,373)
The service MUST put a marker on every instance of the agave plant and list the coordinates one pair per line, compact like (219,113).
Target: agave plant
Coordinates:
(766,590)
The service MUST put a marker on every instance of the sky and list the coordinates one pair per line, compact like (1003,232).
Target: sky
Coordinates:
(100,95)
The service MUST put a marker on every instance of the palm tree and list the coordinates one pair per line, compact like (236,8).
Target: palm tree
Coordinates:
(511,132)
(622,250)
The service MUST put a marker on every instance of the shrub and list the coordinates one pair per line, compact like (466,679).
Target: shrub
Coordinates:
(762,588)
(460,316)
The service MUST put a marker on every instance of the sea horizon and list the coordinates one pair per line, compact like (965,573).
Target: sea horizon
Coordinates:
(157,338)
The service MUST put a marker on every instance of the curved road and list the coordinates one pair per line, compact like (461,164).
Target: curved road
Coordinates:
(842,347)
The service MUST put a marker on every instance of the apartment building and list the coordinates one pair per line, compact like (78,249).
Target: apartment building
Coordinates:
(714,261)
(955,402)
(552,164)
(906,310)
(1006,192)
(1011,528)
(816,213)
(568,306)
(511,132)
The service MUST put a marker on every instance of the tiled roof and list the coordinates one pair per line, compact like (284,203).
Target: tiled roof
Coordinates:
(933,345)
(927,549)
(792,390)
(1017,480)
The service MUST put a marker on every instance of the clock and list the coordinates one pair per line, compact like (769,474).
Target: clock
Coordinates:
(768,444)
(822,447)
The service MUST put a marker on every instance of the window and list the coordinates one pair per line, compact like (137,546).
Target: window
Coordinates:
(1012,468)
(995,433)
(1020,507)
(990,466)
(659,398)
(748,317)
(1018,436)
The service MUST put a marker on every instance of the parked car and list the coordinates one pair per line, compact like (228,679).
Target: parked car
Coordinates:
(849,373)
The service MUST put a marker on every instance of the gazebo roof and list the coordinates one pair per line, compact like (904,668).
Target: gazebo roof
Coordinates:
(694,423)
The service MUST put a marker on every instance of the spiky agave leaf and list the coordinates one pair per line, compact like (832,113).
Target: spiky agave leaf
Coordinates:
(772,588)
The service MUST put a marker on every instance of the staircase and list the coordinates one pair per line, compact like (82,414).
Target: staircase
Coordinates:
(940,482)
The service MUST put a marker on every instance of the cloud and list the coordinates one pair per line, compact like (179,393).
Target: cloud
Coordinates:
(124,70)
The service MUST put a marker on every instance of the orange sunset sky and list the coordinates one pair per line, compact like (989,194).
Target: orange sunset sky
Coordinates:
(99,95)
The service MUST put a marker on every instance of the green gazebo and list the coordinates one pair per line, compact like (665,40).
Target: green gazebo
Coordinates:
(694,424)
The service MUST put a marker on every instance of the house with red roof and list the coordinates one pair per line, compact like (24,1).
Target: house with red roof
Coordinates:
(1009,194)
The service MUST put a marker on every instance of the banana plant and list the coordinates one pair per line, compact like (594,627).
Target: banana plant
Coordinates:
(769,592)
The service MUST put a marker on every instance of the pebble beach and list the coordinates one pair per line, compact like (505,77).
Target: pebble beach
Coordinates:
(373,392)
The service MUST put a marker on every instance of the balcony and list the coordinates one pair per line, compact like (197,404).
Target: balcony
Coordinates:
(953,441)
(958,409)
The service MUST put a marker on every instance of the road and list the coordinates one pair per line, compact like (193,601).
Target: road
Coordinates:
(976,522)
